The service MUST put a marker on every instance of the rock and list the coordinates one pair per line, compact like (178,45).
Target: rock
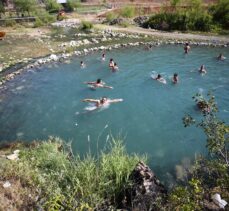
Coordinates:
(54,57)
(145,191)
(116,21)
(140,20)
(7,184)
(218,201)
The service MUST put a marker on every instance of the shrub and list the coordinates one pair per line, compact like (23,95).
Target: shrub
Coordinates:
(127,12)
(86,25)
(52,5)
(38,23)
(10,23)
(111,16)
(220,13)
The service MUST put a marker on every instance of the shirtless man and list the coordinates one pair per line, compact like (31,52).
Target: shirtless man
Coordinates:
(187,48)
(202,69)
(98,84)
(102,101)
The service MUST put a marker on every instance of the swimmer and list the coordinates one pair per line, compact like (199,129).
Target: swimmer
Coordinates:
(82,64)
(175,78)
(111,63)
(102,101)
(202,69)
(115,67)
(221,57)
(160,79)
(98,84)
(103,57)
(187,48)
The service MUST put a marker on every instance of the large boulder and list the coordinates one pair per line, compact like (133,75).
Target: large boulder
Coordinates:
(146,191)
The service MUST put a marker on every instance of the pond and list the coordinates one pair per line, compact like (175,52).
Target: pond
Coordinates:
(48,101)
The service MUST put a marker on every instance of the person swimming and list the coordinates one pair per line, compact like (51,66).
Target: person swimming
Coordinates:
(111,63)
(98,84)
(82,64)
(160,79)
(102,101)
(103,57)
(175,78)
(202,69)
(115,67)
(187,48)
(221,57)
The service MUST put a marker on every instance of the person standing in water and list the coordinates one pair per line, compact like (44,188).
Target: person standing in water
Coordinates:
(115,67)
(99,84)
(102,101)
(111,63)
(103,57)
(175,78)
(221,57)
(82,64)
(202,69)
(187,48)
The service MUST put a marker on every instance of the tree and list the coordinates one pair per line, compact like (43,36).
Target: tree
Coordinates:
(217,131)
(25,5)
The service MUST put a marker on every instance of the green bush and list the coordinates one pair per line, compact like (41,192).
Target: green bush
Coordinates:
(38,23)
(180,21)
(127,12)
(111,16)
(52,6)
(86,25)
(220,13)
(10,23)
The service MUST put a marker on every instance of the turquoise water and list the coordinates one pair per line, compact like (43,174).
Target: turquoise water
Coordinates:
(47,101)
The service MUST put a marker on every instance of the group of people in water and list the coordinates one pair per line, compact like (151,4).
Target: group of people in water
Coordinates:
(114,67)
(175,79)
(101,84)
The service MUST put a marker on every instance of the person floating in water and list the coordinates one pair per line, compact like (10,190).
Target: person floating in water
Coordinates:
(160,79)
(202,69)
(102,101)
(82,64)
(111,63)
(98,84)
(103,57)
(175,78)
(221,57)
(115,67)
(187,48)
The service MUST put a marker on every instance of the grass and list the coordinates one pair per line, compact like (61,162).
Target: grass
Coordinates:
(64,181)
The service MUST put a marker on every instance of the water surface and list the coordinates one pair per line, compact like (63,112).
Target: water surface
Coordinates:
(47,101)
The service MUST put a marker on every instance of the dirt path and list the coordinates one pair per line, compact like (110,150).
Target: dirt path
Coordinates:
(171,35)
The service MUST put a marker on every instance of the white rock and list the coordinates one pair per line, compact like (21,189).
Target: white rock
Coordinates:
(218,201)
(7,184)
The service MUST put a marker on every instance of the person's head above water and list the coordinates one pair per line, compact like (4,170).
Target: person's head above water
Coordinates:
(103,100)
(98,81)
(158,76)
(111,60)
(175,75)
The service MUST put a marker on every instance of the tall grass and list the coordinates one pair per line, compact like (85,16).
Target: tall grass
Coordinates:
(71,183)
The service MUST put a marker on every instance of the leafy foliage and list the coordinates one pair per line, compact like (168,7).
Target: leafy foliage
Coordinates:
(217,131)
(86,25)
(25,5)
